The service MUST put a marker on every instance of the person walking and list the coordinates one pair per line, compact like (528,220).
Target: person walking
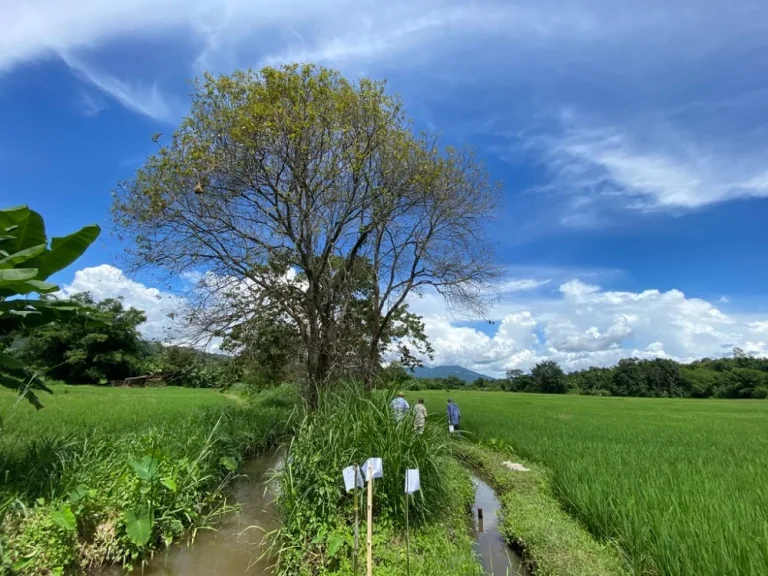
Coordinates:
(399,407)
(420,416)
(454,414)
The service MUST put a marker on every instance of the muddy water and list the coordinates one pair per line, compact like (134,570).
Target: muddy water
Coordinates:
(236,547)
(496,557)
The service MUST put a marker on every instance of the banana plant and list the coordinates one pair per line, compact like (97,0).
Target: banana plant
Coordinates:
(26,262)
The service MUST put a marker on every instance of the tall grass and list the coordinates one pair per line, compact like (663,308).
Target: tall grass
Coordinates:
(677,483)
(348,427)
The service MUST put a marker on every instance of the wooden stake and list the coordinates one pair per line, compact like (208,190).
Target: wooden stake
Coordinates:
(407,540)
(355,552)
(370,518)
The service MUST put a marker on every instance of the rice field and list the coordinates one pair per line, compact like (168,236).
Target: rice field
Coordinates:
(679,485)
(83,409)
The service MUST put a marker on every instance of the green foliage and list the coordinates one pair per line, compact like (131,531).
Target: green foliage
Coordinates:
(548,378)
(26,262)
(348,427)
(658,477)
(134,468)
(103,346)
(192,368)
(741,376)
(138,527)
(553,542)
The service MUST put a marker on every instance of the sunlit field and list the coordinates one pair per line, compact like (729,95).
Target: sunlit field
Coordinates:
(679,484)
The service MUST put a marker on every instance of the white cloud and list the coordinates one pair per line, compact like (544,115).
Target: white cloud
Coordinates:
(586,325)
(522,285)
(107,281)
(606,166)
(91,105)
(582,325)
(147,100)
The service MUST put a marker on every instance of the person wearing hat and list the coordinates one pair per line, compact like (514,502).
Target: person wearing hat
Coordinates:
(400,407)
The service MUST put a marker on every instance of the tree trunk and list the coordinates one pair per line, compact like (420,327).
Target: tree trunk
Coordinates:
(371,368)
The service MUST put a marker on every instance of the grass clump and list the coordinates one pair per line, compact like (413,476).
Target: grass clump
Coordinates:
(348,427)
(93,495)
(552,543)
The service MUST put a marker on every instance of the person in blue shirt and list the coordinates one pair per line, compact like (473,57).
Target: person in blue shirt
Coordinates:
(454,414)
(400,407)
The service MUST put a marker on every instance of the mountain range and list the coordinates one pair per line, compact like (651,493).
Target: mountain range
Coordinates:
(444,371)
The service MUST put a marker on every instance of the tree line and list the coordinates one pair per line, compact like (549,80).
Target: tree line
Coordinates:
(738,376)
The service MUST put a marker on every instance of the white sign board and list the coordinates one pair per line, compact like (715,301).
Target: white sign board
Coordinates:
(377,467)
(349,478)
(412,481)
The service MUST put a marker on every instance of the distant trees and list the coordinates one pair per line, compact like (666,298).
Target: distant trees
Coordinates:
(740,376)
(548,378)
(283,185)
(103,346)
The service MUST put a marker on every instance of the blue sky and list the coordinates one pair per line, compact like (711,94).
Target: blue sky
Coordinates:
(631,139)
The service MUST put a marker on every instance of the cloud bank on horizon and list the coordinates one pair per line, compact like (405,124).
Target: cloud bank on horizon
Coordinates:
(574,323)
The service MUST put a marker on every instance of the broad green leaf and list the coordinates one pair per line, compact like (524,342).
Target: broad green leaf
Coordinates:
(17,275)
(64,251)
(169,483)
(10,362)
(147,468)
(81,493)
(335,541)
(28,227)
(138,527)
(18,257)
(21,387)
(64,517)
(27,287)
(229,463)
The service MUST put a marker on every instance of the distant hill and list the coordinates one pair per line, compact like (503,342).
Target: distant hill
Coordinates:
(445,371)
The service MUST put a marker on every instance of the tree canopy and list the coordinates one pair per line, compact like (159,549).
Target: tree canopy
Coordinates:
(294,189)
(105,345)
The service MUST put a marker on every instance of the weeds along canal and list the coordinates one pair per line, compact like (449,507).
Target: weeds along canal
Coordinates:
(495,556)
(236,547)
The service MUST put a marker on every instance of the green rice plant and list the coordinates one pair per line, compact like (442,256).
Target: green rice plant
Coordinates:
(677,484)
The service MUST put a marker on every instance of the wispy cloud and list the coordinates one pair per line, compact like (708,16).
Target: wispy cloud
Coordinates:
(91,105)
(605,167)
(147,100)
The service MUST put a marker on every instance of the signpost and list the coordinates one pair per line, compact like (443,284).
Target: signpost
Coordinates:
(412,483)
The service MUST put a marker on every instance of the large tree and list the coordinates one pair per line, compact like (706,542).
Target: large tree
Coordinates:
(296,171)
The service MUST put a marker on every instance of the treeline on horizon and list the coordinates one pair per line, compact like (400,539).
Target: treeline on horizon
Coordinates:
(106,347)
(738,376)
